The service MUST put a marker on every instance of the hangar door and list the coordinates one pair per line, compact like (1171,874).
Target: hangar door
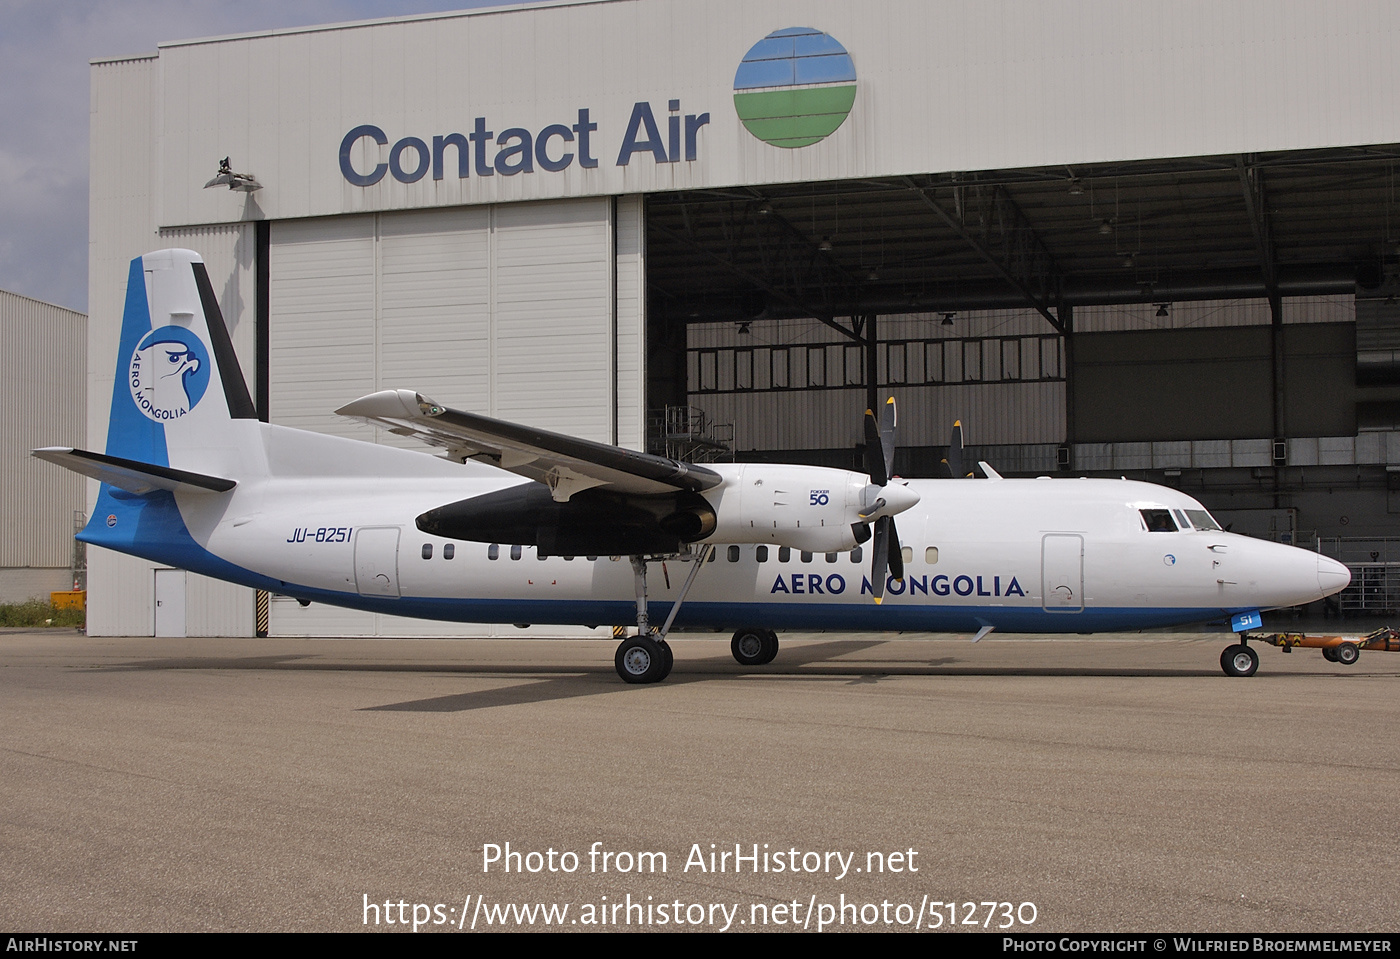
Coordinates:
(531,312)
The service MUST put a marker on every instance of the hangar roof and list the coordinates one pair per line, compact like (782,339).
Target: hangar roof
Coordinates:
(1214,227)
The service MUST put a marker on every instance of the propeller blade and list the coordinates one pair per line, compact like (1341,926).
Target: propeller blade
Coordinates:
(879,557)
(887,422)
(896,555)
(874,460)
(875,507)
(955,452)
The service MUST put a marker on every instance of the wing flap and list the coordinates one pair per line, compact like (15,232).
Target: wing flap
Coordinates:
(565,464)
(131,475)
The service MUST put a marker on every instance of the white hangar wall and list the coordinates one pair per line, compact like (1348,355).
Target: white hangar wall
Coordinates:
(940,85)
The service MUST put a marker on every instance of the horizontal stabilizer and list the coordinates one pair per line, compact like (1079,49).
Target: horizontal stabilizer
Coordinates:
(131,475)
(565,464)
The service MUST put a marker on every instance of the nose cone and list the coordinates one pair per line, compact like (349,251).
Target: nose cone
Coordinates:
(898,498)
(1332,576)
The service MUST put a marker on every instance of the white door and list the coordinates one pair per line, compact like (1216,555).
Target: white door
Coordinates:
(170,602)
(1062,573)
(377,561)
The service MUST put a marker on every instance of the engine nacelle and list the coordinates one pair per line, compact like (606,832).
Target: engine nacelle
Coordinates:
(812,508)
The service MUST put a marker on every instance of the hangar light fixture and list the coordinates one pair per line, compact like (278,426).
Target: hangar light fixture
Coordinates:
(1075,187)
(744,328)
(948,318)
(242,182)
(825,244)
(1162,309)
(1106,227)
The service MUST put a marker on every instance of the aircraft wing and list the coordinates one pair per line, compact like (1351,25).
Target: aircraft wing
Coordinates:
(565,464)
(131,475)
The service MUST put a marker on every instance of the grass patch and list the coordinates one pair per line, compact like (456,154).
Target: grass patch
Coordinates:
(39,614)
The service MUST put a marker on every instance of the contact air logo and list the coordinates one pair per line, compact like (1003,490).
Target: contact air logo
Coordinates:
(795,87)
(169,373)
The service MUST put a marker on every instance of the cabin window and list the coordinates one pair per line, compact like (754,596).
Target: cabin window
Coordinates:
(806,556)
(931,556)
(493,551)
(856,555)
(761,554)
(831,557)
(1158,520)
(449,550)
(515,552)
(784,554)
(540,554)
(734,554)
(1201,519)
(906,553)
(591,559)
(427,550)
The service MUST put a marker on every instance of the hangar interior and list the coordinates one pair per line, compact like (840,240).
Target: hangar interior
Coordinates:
(1222,322)
(1224,325)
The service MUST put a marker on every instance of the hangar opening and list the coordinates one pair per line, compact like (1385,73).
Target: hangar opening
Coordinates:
(1219,324)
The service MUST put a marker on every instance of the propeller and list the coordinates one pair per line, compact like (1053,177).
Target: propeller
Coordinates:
(888,498)
(954,462)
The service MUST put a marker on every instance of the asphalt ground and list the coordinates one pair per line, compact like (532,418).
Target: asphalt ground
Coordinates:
(1114,783)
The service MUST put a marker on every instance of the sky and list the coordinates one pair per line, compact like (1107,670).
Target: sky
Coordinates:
(45,47)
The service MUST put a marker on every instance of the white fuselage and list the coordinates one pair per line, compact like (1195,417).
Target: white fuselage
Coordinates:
(1041,555)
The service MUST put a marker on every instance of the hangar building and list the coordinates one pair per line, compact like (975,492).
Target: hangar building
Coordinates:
(44,401)
(1158,240)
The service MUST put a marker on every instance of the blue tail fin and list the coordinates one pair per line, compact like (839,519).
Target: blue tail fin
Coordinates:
(178,384)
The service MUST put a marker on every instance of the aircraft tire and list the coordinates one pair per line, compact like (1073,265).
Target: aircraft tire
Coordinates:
(1347,654)
(668,657)
(1239,660)
(641,659)
(750,645)
(1329,654)
(770,647)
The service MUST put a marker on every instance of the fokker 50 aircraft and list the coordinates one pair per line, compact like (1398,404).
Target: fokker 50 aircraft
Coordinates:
(519,525)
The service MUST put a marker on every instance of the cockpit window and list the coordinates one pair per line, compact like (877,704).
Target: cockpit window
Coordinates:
(1158,520)
(1201,519)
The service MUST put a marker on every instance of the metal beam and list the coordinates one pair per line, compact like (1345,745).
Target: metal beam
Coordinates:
(800,306)
(1256,208)
(1023,259)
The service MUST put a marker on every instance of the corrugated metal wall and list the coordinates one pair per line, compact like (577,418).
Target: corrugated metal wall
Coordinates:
(45,401)
(797,384)
(530,312)
(1001,372)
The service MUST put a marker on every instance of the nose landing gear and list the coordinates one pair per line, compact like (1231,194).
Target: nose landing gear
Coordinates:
(1239,660)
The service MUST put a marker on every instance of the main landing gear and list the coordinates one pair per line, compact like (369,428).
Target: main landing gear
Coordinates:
(1239,659)
(644,658)
(647,657)
(754,647)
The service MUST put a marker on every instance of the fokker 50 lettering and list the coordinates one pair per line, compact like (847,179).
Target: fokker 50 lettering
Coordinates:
(191,478)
